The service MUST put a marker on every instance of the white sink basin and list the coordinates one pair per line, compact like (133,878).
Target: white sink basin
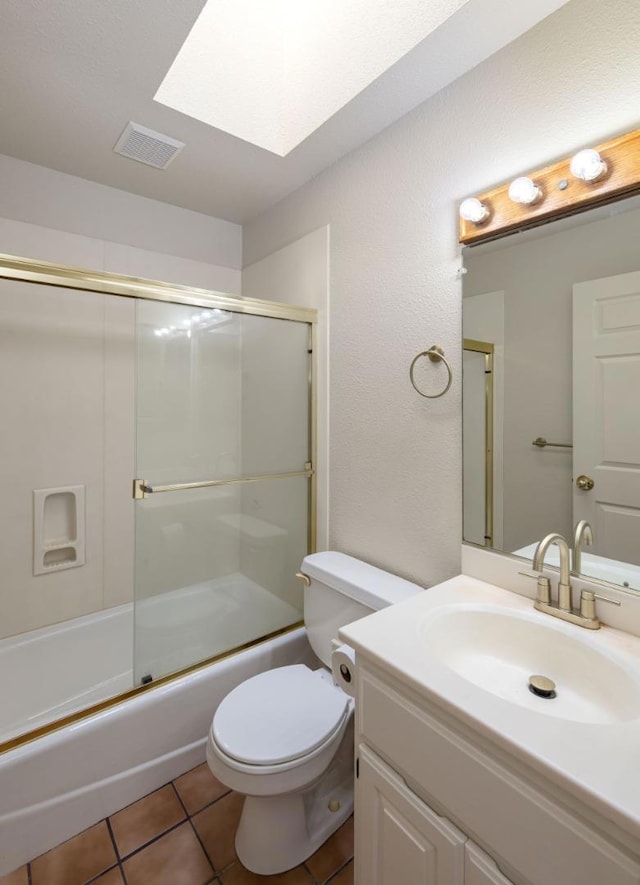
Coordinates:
(466,649)
(498,650)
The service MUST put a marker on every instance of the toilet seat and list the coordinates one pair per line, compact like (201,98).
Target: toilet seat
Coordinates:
(279,716)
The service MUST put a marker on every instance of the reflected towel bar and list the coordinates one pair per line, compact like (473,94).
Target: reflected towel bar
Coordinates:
(541,443)
(142,489)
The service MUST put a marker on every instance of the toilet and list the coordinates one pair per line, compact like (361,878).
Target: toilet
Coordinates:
(284,738)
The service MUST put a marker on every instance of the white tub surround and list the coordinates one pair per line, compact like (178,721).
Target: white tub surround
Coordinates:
(56,786)
(442,688)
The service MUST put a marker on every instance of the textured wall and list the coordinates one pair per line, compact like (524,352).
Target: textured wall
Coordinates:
(395,496)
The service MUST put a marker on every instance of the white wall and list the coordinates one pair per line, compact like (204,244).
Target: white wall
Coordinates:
(395,459)
(51,199)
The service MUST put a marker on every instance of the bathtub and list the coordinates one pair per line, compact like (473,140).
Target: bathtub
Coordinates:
(68,667)
(63,782)
(61,669)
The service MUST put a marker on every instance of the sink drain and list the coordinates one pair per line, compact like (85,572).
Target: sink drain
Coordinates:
(542,687)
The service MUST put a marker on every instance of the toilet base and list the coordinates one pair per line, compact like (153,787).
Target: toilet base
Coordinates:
(277,833)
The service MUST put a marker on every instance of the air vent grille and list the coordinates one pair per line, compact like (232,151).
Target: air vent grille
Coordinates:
(142,144)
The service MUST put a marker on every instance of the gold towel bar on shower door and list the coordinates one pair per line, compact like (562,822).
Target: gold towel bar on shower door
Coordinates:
(541,443)
(142,488)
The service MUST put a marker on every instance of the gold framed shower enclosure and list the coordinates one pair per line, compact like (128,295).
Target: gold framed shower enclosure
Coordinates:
(69,277)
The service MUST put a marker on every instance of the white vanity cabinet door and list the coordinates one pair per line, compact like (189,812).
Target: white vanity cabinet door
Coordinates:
(399,839)
(479,869)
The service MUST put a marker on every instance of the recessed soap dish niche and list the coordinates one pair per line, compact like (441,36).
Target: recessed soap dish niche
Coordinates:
(58,529)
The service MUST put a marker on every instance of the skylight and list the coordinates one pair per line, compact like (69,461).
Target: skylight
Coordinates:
(272,71)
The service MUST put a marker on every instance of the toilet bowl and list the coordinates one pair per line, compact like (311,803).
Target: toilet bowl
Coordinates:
(284,738)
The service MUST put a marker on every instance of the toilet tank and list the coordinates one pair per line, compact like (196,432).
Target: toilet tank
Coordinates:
(342,590)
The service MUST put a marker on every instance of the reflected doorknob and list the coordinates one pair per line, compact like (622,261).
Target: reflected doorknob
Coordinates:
(585,483)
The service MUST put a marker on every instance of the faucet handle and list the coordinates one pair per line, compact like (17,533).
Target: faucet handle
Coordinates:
(588,603)
(543,593)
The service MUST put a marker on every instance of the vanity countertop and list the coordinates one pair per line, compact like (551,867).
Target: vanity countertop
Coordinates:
(589,746)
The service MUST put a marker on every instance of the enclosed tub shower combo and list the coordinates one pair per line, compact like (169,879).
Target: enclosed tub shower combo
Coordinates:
(158,499)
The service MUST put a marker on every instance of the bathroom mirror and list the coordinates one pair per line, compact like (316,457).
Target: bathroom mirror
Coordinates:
(552,422)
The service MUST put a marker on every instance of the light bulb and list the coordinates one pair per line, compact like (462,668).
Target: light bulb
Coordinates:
(588,165)
(524,190)
(473,210)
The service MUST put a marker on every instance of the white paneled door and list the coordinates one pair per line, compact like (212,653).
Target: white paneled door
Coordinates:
(606,413)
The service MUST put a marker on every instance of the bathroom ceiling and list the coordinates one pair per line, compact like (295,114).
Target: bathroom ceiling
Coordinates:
(74,72)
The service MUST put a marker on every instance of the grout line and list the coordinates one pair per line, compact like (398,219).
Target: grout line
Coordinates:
(29,879)
(308,872)
(195,832)
(179,797)
(338,871)
(122,873)
(101,873)
(113,839)
(206,853)
(208,805)
(152,841)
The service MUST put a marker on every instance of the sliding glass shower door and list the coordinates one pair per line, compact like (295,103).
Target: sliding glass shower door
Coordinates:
(223,457)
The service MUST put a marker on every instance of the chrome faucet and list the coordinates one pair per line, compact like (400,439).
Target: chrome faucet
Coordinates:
(582,534)
(564,585)
(584,617)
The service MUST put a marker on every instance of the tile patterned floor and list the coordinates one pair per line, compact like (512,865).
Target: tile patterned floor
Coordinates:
(182,834)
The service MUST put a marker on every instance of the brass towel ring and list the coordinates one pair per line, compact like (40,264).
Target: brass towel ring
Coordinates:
(434,353)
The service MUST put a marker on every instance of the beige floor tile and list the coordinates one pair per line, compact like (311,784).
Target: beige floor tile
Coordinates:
(198,788)
(113,877)
(17,877)
(237,875)
(217,826)
(345,876)
(141,822)
(175,859)
(335,852)
(75,861)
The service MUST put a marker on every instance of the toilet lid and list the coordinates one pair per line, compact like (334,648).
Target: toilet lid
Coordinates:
(278,716)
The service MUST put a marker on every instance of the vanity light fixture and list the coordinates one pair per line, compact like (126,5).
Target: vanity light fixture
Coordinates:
(588,165)
(473,210)
(524,190)
(609,171)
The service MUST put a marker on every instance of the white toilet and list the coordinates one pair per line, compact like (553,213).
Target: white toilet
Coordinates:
(284,738)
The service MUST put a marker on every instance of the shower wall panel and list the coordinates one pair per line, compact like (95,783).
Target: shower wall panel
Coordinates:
(66,360)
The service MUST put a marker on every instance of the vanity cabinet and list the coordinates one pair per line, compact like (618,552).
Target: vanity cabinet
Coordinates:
(436,804)
(401,840)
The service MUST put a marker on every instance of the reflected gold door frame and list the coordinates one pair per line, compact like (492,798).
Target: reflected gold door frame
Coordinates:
(487,349)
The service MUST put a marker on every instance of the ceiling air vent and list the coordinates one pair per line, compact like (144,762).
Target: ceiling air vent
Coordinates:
(142,144)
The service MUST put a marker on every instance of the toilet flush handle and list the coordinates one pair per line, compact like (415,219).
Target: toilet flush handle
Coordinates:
(306,580)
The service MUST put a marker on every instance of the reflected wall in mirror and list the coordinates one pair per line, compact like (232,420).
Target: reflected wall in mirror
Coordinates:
(561,306)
